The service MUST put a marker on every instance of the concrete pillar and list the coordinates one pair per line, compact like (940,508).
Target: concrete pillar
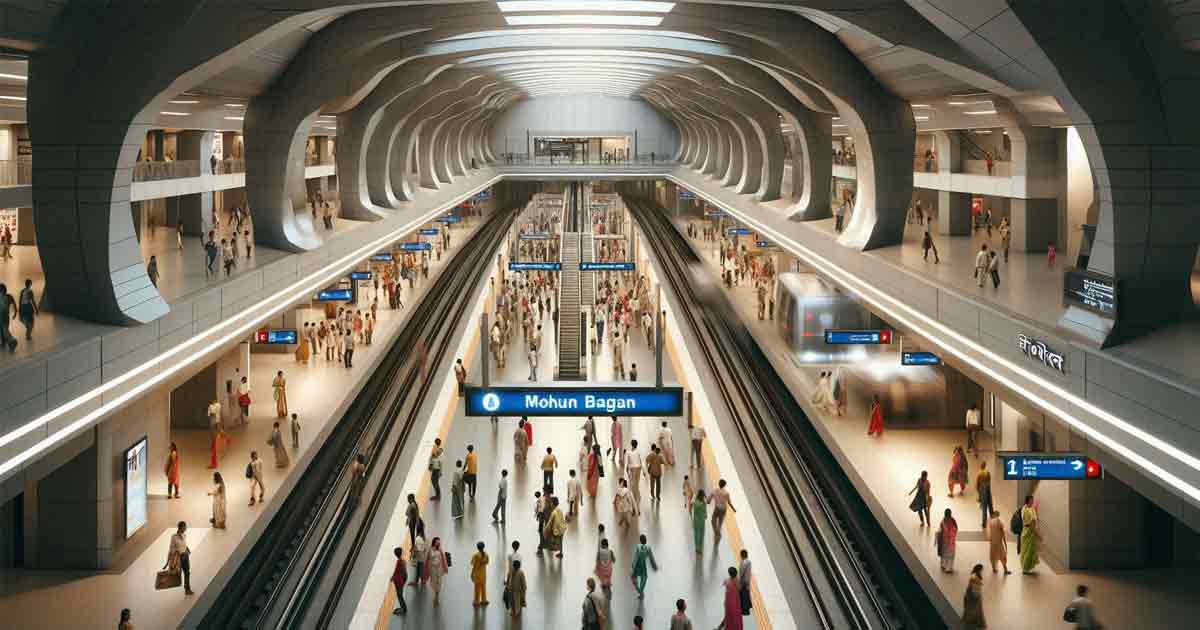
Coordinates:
(1034,224)
(195,145)
(195,211)
(1106,525)
(954,213)
(156,145)
(949,152)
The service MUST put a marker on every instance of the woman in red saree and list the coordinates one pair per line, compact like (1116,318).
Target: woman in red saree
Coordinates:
(593,471)
(876,425)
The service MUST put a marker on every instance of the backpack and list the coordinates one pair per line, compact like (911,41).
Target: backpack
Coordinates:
(249,471)
(1016,524)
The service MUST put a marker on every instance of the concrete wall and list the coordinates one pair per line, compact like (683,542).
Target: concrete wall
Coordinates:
(584,115)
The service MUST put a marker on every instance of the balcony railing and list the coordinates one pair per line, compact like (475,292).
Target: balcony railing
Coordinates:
(518,159)
(158,171)
(16,172)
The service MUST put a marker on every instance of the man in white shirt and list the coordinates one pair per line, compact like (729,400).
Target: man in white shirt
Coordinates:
(214,416)
(1085,611)
(981,264)
(666,443)
(501,499)
(721,502)
(254,473)
(633,470)
(574,494)
(974,423)
(698,435)
(348,340)
(179,549)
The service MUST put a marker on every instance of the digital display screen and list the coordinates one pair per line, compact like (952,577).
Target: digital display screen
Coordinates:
(415,247)
(360,275)
(574,401)
(429,231)
(276,336)
(686,194)
(450,219)
(858,337)
(536,237)
(136,459)
(1092,291)
(919,358)
(335,295)
(535,266)
(607,266)
(740,231)
(1049,466)
(381,258)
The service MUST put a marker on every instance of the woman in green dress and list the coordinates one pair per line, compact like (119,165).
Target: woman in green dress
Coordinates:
(1031,536)
(456,491)
(699,520)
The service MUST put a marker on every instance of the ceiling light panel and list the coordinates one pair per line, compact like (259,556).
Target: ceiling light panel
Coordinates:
(585,19)
(638,6)
(579,30)
(559,54)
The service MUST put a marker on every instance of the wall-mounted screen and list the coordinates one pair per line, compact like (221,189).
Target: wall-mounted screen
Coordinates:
(137,457)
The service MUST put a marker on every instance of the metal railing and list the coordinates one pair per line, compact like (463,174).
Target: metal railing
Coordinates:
(158,171)
(544,160)
(16,172)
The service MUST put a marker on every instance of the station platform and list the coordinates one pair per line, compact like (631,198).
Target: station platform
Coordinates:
(182,274)
(887,467)
(1030,289)
(318,392)
(557,586)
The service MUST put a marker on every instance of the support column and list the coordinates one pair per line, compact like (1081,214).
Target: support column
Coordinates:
(192,212)
(954,213)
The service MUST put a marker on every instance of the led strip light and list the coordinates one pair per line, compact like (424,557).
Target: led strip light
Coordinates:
(926,326)
(236,326)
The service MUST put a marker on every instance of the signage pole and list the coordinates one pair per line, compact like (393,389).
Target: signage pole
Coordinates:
(658,349)
(691,414)
(484,346)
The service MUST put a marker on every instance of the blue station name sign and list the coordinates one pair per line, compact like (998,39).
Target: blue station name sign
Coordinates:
(453,218)
(535,266)
(415,247)
(740,231)
(574,401)
(429,231)
(606,266)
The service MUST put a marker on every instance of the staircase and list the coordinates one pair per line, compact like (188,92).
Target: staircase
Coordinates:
(570,367)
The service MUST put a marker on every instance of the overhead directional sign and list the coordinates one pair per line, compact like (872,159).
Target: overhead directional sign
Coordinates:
(537,236)
(740,231)
(335,295)
(416,247)
(381,258)
(276,336)
(429,231)
(858,337)
(1049,466)
(919,358)
(686,194)
(713,212)
(360,275)
(574,401)
(763,244)
(606,266)
(535,266)
(454,218)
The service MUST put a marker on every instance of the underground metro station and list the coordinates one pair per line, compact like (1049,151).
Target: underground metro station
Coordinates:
(833,314)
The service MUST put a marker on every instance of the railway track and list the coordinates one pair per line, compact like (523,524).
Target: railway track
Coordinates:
(851,575)
(299,567)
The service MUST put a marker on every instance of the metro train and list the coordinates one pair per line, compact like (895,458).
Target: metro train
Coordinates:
(806,306)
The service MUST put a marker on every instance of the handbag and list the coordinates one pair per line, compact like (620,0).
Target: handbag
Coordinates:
(249,471)
(166,579)
(449,563)
(507,598)
(1071,614)
(243,400)
(599,469)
